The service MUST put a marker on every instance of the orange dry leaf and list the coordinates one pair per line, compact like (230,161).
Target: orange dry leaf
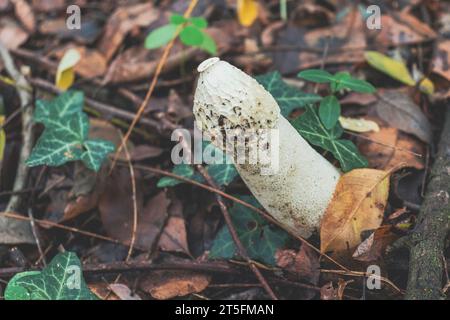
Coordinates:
(358,204)
(247,12)
(164,285)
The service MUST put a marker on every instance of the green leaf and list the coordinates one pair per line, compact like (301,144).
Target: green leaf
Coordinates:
(208,44)
(60,143)
(67,103)
(345,80)
(177,19)
(222,174)
(65,134)
(191,36)
(62,279)
(160,36)
(329,111)
(259,238)
(199,22)
(287,97)
(184,170)
(96,152)
(311,128)
(316,75)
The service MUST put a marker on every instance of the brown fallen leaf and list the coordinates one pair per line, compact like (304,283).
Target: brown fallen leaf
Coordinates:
(404,28)
(92,63)
(25,14)
(174,235)
(123,292)
(389,148)
(400,111)
(163,285)
(304,263)
(144,152)
(121,22)
(357,205)
(441,59)
(374,246)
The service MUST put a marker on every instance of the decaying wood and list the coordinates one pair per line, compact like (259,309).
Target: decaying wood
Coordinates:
(426,270)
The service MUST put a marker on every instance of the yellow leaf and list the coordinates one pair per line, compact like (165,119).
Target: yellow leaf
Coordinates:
(359,125)
(247,12)
(358,205)
(394,68)
(65,74)
(2,138)
(426,86)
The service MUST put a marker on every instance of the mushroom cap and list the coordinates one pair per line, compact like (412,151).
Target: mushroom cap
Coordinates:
(226,99)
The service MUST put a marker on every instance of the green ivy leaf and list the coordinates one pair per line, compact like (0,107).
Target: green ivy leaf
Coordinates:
(177,19)
(208,44)
(311,128)
(191,36)
(96,152)
(222,174)
(62,279)
(329,111)
(316,75)
(160,36)
(259,238)
(287,97)
(65,134)
(66,104)
(184,170)
(199,22)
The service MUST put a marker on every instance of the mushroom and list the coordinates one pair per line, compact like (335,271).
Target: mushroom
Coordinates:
(228,101)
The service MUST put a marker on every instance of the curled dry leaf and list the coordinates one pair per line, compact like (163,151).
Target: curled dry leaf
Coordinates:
(400,111)
(123,292)
(389,148)
(164,285)
(357,205)
(304,263)
(121,22)
(374,246)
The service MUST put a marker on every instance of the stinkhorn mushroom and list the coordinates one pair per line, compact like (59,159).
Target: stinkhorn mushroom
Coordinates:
(298,193)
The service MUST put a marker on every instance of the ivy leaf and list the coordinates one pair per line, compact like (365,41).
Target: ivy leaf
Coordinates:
(160,36)
(311,128)
(65,134)
(287,97)
(259,238)
(61,141)
(62,279)
(184,170)
(96,152)
(329,111)
(222,174)
(316,75)
(67,103)
(191,36)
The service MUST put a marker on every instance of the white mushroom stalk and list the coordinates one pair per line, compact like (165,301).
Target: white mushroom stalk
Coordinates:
(228,101)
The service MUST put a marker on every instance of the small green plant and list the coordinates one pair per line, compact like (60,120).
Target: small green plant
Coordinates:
(191,34)
(330,108)
(62,279)
(65,137)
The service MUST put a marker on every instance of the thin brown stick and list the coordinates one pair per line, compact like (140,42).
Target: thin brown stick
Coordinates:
(135,210)
(240,248)
(159,68)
